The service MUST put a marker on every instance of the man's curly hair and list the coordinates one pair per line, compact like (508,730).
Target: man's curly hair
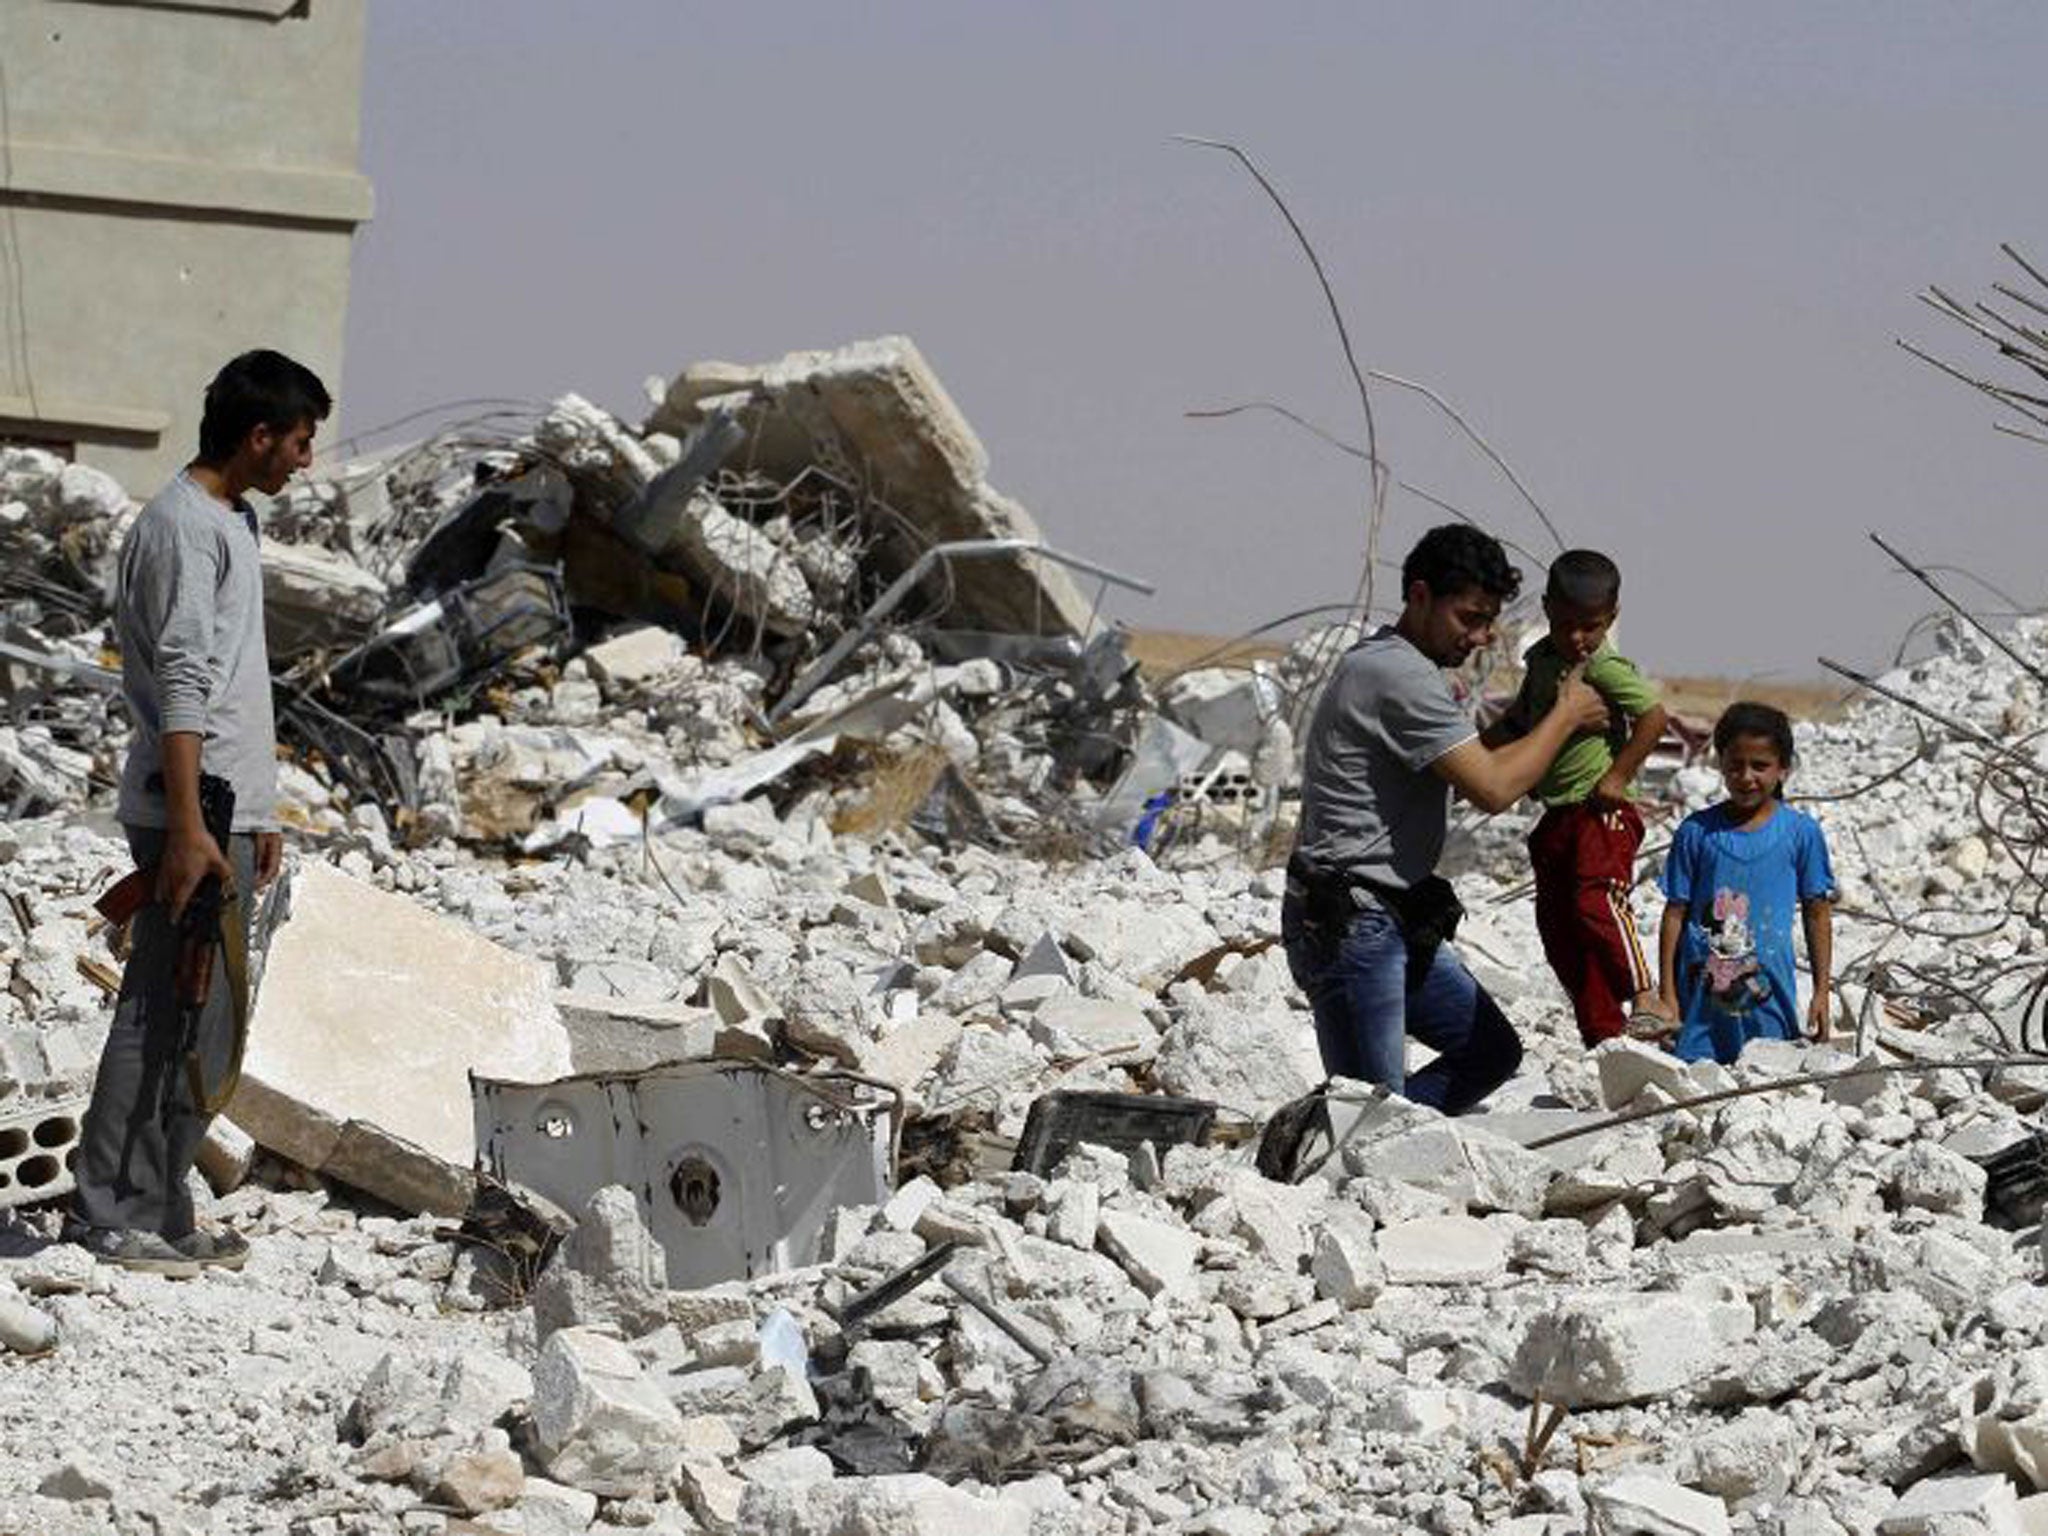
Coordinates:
(1457,557)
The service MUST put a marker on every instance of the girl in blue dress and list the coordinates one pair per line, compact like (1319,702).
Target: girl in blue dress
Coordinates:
(1732,880)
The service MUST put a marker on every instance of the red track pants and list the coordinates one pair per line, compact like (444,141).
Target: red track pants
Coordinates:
(1585,862)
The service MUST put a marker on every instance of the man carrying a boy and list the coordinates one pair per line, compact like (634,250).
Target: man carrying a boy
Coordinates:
(1366,915)
(1584,849)
(196,675)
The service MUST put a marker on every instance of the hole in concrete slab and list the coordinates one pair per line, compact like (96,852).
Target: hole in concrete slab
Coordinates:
(13,1141)
(555,1122)
(695,1188)
(39,1170)
(6,1180)
(57,1131)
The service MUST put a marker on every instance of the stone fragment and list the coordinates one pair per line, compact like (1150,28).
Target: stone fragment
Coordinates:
(1442,1250)
(633,660)
(1599,1349)
(1347,1266)
(1954,1506)
(599,1424)
(1627,1067)
(372,1012)
(1932,1178)
(477,1481)
(1074,1215)
(904,1504)
(878,404)
(1252,1055)
(747,572)
(1159,1258)
(610,1272)
(1637,1504)
(548,1508)
(1072,1027)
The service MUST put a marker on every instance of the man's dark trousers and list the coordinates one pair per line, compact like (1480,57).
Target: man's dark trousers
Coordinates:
(143,1129)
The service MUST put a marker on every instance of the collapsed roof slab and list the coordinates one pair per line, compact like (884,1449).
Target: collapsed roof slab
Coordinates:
(877,413)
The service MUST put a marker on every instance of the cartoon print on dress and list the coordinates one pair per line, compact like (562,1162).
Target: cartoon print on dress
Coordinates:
(1735,982)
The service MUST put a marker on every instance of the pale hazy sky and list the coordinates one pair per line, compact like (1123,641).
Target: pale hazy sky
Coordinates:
(1658,255)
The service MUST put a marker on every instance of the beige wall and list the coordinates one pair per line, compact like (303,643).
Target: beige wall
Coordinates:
(177,183)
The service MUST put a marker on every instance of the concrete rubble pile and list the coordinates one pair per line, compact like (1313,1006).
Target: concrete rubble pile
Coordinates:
(1813,1311)
(520,633)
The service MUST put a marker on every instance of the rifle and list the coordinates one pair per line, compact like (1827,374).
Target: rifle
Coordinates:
(207,926)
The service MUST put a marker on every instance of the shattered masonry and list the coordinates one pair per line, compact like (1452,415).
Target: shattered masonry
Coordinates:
(550,833)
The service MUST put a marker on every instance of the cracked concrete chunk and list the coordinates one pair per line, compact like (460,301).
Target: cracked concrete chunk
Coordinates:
(1599,1349)
(1442,1250)
(1954,1506)
(1638,1504)
(600,1425)
(371,1014)
(1159,1257)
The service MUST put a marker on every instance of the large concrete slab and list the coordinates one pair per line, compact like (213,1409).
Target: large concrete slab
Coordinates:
(877,413)
(372,1013)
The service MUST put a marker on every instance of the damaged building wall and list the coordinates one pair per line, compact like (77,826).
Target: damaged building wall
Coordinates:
(215,190)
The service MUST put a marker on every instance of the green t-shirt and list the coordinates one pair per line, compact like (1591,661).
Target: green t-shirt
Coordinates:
(1589,754)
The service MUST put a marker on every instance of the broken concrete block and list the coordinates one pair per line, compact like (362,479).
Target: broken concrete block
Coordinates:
(1627,1067)
(1075,1215)
(1602,1349)
(476,1481)
(225,1154)
(599,1424)
(636,659)
(878,406)
(741,567)
(1637,1504)
(1441,1250)
(621,1034)
(903,1504)
(548,1508)
(372,1012)
(1748,1457)
(312,598)
(1954,1506)
(1252,1054)
(608,1273)
(1072,1027)
(1347,1266)
(1159,1258)
(1932,1178)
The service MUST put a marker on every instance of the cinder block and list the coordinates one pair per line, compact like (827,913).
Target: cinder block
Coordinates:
(37,1144)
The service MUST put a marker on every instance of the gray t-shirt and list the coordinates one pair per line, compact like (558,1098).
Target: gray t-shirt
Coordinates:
(1371,808)
(188,615)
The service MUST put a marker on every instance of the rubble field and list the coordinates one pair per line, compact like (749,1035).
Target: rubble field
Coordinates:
(683,768)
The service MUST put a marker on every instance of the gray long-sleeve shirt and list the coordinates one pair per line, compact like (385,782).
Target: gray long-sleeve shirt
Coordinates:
(189,619)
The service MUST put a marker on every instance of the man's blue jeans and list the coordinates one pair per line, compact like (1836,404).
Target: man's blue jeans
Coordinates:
(1369,993)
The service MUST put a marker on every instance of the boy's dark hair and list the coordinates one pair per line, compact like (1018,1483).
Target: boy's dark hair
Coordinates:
(1746,717)
(258,389)
(1457,557)
(1586,579)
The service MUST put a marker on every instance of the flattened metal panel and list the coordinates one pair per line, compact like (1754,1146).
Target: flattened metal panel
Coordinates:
(737,1166)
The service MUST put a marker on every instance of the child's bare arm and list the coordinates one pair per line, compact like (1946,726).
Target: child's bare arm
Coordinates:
(1643,737)
(1818,915)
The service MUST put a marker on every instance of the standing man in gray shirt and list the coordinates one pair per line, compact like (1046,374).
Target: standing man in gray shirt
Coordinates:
(1366,917)
(196,675)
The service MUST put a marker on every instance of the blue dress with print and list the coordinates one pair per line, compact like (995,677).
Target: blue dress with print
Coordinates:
(1737,980)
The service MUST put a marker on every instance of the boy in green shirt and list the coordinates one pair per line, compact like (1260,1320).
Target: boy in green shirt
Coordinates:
(1584,849)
